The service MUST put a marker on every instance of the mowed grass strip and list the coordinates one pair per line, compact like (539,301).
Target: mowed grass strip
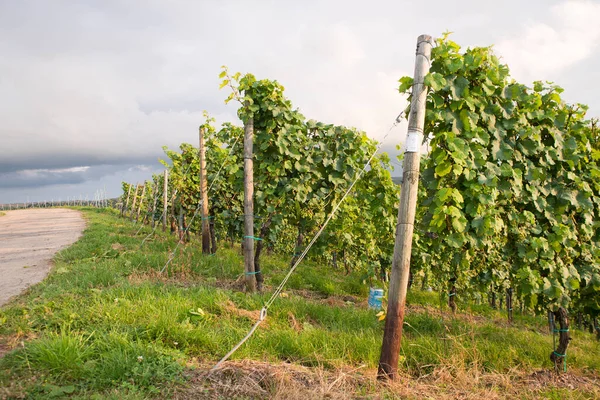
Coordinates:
(107,323)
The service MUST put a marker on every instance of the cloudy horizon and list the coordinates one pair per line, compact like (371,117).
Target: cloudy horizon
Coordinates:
(90,91)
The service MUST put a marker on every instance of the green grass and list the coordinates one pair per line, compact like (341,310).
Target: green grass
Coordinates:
(105,323)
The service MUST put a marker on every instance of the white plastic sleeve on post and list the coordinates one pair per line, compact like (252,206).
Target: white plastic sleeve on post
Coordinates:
(414,140)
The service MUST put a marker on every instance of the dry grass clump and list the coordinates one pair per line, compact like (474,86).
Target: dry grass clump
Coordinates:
(259,380)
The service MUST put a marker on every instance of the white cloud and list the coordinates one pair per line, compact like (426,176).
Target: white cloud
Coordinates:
(110,83)
(544,49)
(35,172)
(143,168)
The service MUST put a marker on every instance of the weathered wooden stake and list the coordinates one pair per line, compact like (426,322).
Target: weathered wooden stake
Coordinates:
(186,230)
(135,196)
(213,238)
(509,304)
(452,296)
(154,199)
(181,222)
(174,218)
(137,218)
(249,207)
(390,350)
(204,194)
(165,200)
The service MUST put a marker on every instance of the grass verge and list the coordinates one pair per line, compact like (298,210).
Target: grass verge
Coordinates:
(107,324)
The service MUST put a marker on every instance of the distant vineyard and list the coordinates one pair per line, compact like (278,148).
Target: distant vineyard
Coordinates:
(99,201)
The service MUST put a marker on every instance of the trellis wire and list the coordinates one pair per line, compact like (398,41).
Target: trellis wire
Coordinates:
(175,193)
(263,311)
(163,213)
(200,204)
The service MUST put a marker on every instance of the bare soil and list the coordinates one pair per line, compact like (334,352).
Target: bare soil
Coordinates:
(28,241)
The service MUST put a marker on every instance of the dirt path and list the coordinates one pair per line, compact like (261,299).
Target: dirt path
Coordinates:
(28,241)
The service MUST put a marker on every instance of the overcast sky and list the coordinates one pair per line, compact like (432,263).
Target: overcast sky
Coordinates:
(90,90)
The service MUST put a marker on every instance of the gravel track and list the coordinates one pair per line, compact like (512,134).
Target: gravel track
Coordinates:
(28,241)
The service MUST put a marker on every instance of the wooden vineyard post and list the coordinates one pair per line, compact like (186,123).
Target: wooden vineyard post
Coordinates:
(182,207)
(135,196)
(452,296)
(126,204)
(204,194)
(249,207)
(181,222)
(392,336)
(154,198)
(509,304)
(137,218)
(213,238)
(165,200)
(174,217)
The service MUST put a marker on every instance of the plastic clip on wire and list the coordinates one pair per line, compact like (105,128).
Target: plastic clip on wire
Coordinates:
(252,237)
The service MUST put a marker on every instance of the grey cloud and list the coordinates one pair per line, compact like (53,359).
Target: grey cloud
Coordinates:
(103,178)
(94,83)
(42,177)
(66,159)
(33,178)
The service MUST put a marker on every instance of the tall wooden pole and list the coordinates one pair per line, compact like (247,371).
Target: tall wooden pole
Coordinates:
(249,207)
(204,194)
(390,350)
(165,200)
(135,196)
